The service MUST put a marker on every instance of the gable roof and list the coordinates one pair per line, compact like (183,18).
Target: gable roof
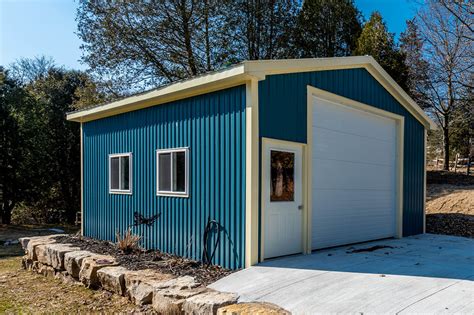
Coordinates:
(245,71)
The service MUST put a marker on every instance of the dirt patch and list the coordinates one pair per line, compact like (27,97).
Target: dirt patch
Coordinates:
(450,199)
(451,178)
(450,209)
(150,259)
(25,292)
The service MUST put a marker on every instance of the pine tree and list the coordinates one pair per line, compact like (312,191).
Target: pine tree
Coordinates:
(376,41)
(327,28)
(411,46)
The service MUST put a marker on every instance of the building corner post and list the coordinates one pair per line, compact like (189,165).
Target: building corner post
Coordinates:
(424,178)
(251,173)
(81,139)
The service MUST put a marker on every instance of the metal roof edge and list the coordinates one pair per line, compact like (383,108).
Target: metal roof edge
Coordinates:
(244,71)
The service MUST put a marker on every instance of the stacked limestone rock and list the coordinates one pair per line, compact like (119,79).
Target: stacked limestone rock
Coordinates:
(169,295)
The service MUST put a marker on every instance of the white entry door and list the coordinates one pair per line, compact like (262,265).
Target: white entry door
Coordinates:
(282,187)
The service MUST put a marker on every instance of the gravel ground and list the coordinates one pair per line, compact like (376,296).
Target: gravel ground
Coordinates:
(450,204)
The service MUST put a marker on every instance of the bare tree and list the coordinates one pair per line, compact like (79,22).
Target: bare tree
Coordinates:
(26,70)
(448,51)
(463,10)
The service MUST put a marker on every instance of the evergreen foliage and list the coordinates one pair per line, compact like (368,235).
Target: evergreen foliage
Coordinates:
(375,40)
(327,28)
(39,149)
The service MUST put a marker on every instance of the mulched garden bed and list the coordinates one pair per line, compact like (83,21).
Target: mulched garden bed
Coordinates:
(149,259)
(450,224)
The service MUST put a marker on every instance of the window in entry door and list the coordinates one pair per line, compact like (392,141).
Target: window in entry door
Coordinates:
(282,183)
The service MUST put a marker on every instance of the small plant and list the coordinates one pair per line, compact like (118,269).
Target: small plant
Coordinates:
(129,242)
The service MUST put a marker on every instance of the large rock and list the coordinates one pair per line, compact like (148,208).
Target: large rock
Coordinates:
(35,242)
(112,279)
(55,254)
(208,302)
(26,263)
(90,266)
(73,261)
(44,269)
(252,308)
(181,283)
(41,254)
(169,296)
(171,300)
(24,242)
(65,277)
(139,285)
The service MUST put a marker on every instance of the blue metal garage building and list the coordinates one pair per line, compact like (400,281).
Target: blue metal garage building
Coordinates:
(287,156)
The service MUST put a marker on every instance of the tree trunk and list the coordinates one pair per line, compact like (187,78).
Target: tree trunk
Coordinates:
(187,38)
(208,45)
(446,142)
(7,213)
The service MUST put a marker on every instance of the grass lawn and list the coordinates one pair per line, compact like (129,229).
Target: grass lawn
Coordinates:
(22,291)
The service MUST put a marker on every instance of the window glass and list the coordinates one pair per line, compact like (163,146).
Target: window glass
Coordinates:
(164,171)
(282,185)
(124,172)
(179,171)
(114,173)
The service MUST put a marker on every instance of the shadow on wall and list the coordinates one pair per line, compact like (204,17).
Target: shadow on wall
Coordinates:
(213,235)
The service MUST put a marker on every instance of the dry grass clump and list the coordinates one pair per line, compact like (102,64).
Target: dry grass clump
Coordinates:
(128,242)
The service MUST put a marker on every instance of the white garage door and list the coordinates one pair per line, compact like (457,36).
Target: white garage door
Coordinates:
(354,175)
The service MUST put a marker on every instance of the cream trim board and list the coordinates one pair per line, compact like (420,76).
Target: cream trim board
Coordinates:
(424,181)
(245,71)
(309,165)
(400,162)
(340,100)
(304,181)
(164,95)
(251,173)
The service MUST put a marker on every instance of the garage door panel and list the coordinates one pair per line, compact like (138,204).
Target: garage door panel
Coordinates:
(351,202)
(343,175)
(348,232)
(356,148)
(352,121)
(354,175)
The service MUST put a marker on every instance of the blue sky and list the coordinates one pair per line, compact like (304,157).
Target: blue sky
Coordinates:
(31,28)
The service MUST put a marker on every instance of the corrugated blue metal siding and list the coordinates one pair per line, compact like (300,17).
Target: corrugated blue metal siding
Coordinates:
(213,127)
(282,114)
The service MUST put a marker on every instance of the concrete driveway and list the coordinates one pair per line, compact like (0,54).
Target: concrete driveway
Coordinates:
(421,274)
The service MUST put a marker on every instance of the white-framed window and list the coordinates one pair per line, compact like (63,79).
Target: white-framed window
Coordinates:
(120,173)
(172,172)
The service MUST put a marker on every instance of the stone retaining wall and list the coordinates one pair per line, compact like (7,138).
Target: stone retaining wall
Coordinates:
(167,294)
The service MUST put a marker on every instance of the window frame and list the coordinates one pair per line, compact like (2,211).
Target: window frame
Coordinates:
(182,194)
(130,173)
